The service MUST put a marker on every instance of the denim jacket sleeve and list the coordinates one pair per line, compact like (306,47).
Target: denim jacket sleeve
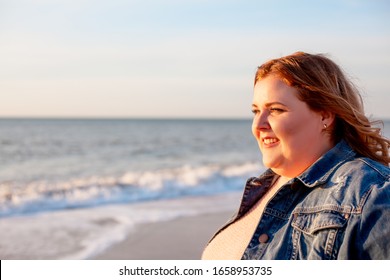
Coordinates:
(373,238)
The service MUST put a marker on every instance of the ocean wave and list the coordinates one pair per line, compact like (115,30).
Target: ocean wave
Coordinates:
(39,196)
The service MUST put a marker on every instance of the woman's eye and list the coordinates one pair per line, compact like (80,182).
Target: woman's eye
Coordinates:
(276,110)
(254,111)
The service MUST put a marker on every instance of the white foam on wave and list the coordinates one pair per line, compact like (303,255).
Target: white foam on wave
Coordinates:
(83,233)
(43,195)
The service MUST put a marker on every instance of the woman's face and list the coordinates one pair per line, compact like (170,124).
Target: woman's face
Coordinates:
(290,135)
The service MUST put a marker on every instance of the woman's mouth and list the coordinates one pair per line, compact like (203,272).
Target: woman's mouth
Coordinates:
(270,141)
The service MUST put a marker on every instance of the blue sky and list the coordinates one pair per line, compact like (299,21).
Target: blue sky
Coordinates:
(172,58)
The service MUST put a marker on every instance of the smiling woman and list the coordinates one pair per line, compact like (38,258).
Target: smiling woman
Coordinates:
(325,194)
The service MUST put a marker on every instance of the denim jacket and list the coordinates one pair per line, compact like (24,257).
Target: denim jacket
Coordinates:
(339,208)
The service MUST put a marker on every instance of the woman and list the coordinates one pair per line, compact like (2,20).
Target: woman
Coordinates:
(326,193)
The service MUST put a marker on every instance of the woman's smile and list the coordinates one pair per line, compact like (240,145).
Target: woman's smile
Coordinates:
(269,141)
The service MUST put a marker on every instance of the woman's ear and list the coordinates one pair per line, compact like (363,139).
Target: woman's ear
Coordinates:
(327,118)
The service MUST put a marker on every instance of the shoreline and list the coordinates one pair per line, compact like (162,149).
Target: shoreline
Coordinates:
(182,238)
(164,229)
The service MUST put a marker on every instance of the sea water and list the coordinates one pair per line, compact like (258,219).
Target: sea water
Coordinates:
(66,164)
(69,188)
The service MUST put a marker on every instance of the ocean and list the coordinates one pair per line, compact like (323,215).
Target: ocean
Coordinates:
(69,188)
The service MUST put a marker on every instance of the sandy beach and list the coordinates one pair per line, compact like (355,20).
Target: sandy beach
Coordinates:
(179,239)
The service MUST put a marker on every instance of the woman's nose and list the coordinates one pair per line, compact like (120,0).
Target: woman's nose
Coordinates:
(261,121)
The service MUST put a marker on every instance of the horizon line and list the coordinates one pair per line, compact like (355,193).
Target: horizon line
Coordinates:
(122,118)
(371,117)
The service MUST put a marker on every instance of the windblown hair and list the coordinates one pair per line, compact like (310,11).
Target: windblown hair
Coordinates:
(324,87)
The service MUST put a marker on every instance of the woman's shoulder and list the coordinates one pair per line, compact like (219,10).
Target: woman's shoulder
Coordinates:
(350,185)
(366,166)
(364,172)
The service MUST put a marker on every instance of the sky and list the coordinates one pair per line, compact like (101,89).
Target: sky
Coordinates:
(177,58)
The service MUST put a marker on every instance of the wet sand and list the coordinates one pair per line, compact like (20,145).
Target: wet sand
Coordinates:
(183,238)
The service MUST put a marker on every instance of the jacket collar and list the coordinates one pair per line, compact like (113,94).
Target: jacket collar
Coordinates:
(319,172)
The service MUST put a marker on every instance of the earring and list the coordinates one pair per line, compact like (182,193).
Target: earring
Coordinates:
(325,126)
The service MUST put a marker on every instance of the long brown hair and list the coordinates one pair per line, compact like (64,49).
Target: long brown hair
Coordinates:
(324,87)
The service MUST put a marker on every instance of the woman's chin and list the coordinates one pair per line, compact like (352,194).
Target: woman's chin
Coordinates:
(269,163)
